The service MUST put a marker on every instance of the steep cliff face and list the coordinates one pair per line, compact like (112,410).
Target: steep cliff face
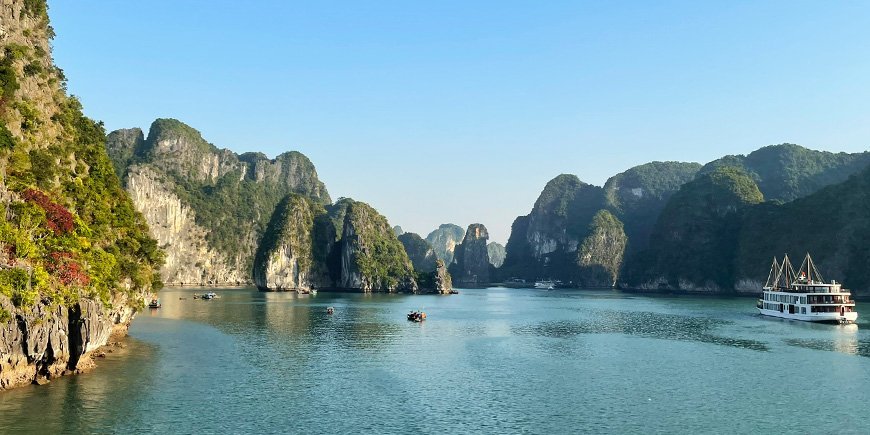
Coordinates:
(470,265)
(190,260)
(696,235)
(76,261)
(371,257)
(444,241)
(545,243)
(601,253)
(419,251)
(496,254)
(638,195)
(437,281)
(294,252)
(224,199)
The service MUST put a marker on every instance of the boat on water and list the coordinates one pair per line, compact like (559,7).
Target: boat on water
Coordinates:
(546,284)
(805,295)
(208,296)
(155,303)
(330,310)
(416,316)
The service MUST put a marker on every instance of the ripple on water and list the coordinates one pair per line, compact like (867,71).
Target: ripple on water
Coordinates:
(643,324)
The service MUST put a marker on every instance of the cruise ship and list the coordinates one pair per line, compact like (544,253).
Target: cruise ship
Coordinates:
(805,295)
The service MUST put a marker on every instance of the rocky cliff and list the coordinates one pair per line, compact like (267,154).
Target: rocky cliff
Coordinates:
(601,253)
(470,265)
(444,241)
(437,281)
(293,254)
(638,195)
(76,261)
(695,238)
(208,207)
(419,251)
(371,257)
(544,244)
(496,254)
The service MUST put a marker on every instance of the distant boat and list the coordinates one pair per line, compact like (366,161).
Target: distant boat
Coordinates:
(805,295)
(312,291)
(209,296)
(416,316)
(330,310)
(155,303)
(547,285)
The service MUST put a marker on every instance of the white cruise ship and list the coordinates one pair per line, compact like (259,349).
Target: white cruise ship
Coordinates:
(805,295)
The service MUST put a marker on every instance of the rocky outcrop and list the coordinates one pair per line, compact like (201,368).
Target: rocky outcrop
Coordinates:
(208,207)
(444,241)
(371,257)
(438,281)
(601,253)
(398,231)
(419,251)
(496,254)
(290,257)
(638,195)
(695,240)
(190,260)
(544,244)
(76,260)
(470,265)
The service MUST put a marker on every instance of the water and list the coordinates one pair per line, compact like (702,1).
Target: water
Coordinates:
(492,361)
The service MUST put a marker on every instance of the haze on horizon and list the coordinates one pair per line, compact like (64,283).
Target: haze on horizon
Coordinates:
(458,112)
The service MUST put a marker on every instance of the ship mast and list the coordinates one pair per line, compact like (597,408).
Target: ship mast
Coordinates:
(773,275)
(786,274)
(809,268)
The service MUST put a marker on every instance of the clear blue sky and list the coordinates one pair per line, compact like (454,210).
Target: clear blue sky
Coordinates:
(460,111)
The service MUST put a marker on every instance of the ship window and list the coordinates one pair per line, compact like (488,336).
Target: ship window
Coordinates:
(803,310)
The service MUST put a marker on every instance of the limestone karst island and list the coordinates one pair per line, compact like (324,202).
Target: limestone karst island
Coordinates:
(486,217)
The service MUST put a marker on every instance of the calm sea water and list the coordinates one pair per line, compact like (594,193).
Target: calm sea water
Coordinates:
(491,361)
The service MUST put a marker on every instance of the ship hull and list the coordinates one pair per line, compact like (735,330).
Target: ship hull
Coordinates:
(849,317)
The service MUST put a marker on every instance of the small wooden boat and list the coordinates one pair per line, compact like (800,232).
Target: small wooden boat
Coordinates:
(155,303)
(416,316)
(208,296)
(330,310)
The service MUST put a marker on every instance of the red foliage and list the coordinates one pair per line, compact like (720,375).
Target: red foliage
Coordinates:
(64,266)
(59,219)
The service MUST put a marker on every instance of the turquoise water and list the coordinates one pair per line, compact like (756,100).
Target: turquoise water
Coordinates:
(491,361)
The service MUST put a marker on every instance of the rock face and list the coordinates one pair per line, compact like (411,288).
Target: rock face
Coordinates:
(398,231)
(76,261)
(293,255)
(696,235)
(496,254)
(601,253)
(190,259)
(437,281)
(638,195)
(444,241)
(544,244)
(419,251)
(208,207)
(372,258)
(470,265)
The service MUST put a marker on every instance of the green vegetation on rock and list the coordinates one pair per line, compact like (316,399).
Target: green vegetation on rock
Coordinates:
(419,251)
(601,253)
(444,240)
(787,171)
(374,251)
(695,237)
(69,230)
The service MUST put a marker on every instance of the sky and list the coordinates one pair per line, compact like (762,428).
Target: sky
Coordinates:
(461,111)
